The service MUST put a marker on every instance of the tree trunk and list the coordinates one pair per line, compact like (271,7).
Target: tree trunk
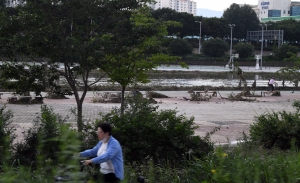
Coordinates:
(79,116)
(122,100)
(79,102)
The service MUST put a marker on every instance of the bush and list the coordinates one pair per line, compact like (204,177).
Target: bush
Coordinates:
(215,47)
(180,47)
(42,139)
(244,50)
(163,135)
(6,134)
(285,50)
(277,130)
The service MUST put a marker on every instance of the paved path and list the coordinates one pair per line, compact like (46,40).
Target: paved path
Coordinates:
(234,118)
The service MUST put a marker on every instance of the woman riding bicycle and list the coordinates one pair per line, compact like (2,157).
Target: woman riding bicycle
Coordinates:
(107,153)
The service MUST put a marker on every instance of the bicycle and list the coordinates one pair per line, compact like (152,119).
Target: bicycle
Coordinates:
(66,178)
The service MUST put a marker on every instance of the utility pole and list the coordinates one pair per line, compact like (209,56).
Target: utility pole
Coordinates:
(262,44)
(199,37)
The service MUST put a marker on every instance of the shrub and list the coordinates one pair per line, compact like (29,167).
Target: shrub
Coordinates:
(6,134)
(244,50)
(277,130)
(285,51)
(180,47)
(43,139)
(215,47)
(144,131)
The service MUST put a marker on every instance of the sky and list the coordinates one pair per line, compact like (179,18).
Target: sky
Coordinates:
(221,5)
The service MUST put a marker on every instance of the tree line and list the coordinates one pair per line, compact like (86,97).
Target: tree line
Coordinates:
(244,18)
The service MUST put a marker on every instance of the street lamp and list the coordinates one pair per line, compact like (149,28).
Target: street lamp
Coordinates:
(266,45)
(231,27)
(262,45)
(199,37)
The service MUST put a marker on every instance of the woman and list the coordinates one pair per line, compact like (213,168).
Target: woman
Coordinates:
(107,153)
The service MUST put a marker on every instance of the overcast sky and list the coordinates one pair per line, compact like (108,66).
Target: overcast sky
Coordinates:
(221,5)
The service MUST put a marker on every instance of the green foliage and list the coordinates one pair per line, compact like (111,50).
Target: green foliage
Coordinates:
(142,50)
(244,18)
(42,140)
(291,74)
(187,22)
(244,50)
(215,47)
(78,34)
(22,78)
(6,135)
(277,130)
(296,104)
(214,27)
(164,136)
(180,47)
(65,165)
(285,50)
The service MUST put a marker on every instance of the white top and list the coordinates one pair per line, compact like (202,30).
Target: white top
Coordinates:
(106,167)
(272,81)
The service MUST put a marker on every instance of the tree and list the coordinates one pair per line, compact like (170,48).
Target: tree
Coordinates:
(215,47)
(244,18)
(2,3)
(285,50)
(74,33)
(180,47)
(141,51)
(214,27)
(291,74)
(186,20)
(291,30)
(23,78)
(244,50)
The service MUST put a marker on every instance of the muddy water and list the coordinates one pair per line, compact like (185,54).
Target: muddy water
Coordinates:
(214,76)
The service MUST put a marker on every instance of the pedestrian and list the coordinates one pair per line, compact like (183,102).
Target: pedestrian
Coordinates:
(271,84)
(107,153)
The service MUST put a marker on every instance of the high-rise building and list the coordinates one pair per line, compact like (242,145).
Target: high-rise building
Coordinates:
(188,6)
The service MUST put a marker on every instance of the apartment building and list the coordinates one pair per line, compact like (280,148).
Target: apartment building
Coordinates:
(188,6)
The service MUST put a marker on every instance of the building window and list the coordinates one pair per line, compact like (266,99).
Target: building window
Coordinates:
(283,11)
(274,13)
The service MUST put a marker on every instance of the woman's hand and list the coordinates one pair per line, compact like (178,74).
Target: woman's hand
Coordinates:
(87,162)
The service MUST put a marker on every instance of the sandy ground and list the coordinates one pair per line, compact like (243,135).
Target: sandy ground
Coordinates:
(232,117)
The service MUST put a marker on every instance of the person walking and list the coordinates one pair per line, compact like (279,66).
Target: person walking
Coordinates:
(107,153)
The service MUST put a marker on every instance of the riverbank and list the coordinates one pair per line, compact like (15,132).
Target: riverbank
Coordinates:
(233,117)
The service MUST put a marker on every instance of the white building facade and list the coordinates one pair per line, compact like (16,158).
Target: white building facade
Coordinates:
(188,6)
(273,8)
(13,3)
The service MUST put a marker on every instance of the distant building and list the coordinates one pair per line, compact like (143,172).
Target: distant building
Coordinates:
(277,10)
(14,3)
(295,8)
(188,6)
(274,8)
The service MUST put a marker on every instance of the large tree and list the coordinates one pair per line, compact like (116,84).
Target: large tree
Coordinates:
(139,54)
(291,30)
(73,33)
(214,27)
(244,18)
(186,20)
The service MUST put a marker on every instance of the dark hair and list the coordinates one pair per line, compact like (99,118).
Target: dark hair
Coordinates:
(105,127)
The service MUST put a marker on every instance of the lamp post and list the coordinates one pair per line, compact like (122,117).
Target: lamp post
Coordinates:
(266,45)
(231,27)
(262,45)
(199,37)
